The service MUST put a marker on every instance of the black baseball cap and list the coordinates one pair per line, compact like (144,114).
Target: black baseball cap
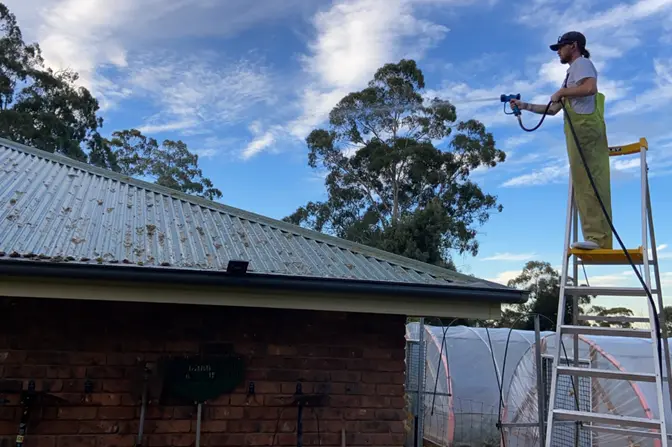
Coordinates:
(570,37)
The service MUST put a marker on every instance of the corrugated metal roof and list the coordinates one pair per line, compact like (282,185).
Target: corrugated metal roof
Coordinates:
(54,208)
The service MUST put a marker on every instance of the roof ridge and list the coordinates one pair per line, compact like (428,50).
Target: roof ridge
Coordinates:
(317,236)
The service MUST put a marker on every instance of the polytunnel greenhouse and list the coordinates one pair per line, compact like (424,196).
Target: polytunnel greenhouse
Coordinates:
(461,398)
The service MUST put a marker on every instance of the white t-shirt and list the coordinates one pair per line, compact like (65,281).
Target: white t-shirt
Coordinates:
(580,69)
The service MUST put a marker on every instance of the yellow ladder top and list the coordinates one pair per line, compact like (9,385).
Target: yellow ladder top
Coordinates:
(608,257)
(633,148)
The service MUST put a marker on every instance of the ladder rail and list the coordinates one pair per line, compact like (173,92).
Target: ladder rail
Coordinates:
(561,317)
(655,342)
(656,270)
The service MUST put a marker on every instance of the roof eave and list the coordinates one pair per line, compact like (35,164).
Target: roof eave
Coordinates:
(269,282)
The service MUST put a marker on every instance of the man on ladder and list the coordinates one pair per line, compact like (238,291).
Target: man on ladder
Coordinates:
(589,154)
(585,107)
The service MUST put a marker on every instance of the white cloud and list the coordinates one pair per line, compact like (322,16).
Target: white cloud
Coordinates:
(258,144)
(655,97)
(90,36)
(624,14)
(505,277)
(510,257)
(612,280)
(551,173)
(353,39)
(200,90)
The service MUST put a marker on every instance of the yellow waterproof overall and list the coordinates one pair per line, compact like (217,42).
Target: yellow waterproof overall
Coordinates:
(592,135)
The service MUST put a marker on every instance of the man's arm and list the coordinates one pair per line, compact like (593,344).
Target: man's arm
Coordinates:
(585,87)
(541,108)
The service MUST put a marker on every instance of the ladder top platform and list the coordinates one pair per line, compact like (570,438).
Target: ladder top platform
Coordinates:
(608,257)
(627,149)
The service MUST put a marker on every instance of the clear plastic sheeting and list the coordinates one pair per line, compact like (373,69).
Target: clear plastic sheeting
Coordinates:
(461,386)
(597,395)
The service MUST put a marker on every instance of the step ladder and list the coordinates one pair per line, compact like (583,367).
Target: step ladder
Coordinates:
(592,422)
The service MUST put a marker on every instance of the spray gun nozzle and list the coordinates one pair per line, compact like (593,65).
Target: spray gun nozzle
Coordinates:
(507,98)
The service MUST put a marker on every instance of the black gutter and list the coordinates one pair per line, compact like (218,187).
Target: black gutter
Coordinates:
(166,275)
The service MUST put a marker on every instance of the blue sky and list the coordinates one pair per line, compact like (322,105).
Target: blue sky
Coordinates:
(243,82)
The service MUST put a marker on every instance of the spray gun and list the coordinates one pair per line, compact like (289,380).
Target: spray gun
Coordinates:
(508,98)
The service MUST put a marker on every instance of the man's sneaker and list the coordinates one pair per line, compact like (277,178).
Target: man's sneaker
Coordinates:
(585,245)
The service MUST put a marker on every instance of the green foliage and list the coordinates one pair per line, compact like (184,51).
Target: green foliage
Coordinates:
(666,320)
(543,283)
(38,106)
(388,185)
(170,164)
(612,312)
(47,110)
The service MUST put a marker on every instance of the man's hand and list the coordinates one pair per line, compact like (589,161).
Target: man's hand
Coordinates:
(517,102)
(557,96)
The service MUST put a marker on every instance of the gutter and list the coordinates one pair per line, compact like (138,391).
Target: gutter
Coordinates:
(267,282)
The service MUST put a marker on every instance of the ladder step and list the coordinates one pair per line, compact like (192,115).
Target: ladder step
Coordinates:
(608,257)
(606,331)
(613,319)
(602,418)
(606,374)
(622,431)
(608,291)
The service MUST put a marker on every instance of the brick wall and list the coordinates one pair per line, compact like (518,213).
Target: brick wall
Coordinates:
(61,345)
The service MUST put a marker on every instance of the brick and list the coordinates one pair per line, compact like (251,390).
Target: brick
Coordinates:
(389,390)
(87,358)
(56,427)
(245,426)
(98,427)
(345,376)
(240,400)
(225,412)
(313,351)
(359,414)
(378,354)
(116,386)
(390,415)
(25,372)
(346,352)
(66,372)
(375,402)
(182,440)
(183,412)
(13,357)
(77,413)
(347,401)
(259,439)
(267,388)
(117,441)
(106,399)
(255,413)
(391,365)
(76,441)
(41,441)
(397,403)
(116,413)
(77,386)
(172,426)
(373,427)
(377,377)
(211,426)
(105,372)
(123,359)
(225,440)
(7,427)
(46,358)
(353,388)
(7,413)
(281,350)
(158,440)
